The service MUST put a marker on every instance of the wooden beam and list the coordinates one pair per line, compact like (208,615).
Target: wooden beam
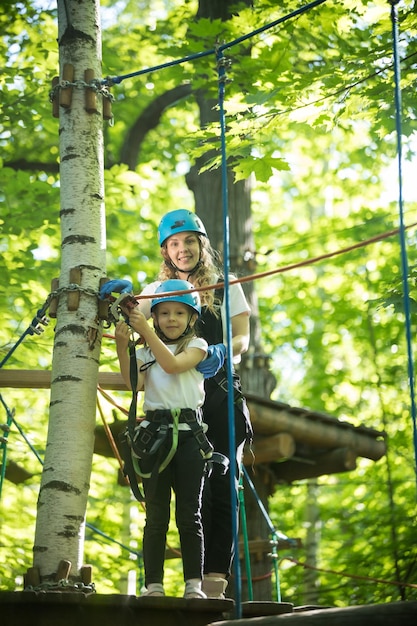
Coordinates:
(15,473)
(334,462)
(273,448)
(41,379)
(314,432)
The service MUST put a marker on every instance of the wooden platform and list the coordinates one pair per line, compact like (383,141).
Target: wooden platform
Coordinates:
(30,608)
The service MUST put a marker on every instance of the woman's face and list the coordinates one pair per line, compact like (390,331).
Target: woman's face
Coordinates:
(183,250)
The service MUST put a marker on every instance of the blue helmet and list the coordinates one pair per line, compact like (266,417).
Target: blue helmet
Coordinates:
(191,299)
(179,221)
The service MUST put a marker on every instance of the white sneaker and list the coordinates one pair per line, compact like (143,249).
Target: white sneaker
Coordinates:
(193,590)
(155,590)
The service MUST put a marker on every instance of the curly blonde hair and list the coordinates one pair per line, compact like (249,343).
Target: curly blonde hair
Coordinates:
(208,272)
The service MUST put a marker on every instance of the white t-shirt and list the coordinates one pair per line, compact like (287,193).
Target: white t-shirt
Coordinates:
(237,304)
(172,391)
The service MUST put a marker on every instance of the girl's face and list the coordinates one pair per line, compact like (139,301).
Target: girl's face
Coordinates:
(183,250)
(173,318)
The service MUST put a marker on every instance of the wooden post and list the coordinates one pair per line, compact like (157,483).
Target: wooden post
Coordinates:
(90,93)
(73,299)
(55,97)
(65,93)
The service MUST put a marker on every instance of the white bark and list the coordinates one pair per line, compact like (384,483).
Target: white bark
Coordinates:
(65,480)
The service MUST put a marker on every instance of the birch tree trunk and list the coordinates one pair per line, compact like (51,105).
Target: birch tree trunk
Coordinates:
(62,501)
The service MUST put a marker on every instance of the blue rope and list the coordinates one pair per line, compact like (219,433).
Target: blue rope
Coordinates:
(33,329)
(404,262)
(4,443)
(113,80)
(221,68)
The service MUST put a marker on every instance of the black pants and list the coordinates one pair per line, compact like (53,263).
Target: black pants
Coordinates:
(217,502)
(184,474)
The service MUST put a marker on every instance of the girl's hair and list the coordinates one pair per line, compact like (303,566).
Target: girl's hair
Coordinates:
(208,272)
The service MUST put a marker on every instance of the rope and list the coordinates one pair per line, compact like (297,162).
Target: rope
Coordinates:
(6,429)
(246,551)
(274,533)
(111,439)
(291,266)
(404,262)
(221,69)
(346,575)
(112,401)
(112,80)
(34,328)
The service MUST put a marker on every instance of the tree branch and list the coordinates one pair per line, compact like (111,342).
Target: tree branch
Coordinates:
(147,120)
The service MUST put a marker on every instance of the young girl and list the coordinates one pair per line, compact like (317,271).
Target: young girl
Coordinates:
(174,394)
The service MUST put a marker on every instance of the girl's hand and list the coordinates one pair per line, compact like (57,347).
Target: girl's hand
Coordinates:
(122,334)
(138,321)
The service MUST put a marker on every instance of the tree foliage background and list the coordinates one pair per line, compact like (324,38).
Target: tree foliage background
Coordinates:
(311,118)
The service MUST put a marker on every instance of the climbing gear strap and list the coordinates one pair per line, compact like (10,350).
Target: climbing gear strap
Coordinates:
(126,437)
(190,418)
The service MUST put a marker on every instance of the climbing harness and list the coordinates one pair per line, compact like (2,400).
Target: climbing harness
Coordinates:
(154,439)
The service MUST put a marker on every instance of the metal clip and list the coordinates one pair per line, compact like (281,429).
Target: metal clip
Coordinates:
(123,304)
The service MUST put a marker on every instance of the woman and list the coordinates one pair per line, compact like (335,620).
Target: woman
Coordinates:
(187,255)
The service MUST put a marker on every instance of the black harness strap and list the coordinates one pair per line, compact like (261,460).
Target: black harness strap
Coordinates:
(189,417)
(127,437)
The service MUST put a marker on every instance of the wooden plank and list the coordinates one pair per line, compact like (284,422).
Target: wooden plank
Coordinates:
(389,614)
(70,607)
(41,379)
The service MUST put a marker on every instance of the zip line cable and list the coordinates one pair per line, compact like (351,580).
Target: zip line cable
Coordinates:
(403,244)
(221,68)
(115,80)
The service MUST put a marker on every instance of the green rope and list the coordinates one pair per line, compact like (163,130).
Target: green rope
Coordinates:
(245,538)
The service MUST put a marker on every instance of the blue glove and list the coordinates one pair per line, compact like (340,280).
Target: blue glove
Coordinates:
(214,360)
(118,286)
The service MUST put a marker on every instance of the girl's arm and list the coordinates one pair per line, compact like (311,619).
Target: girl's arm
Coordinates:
(170,363)
(122,335)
